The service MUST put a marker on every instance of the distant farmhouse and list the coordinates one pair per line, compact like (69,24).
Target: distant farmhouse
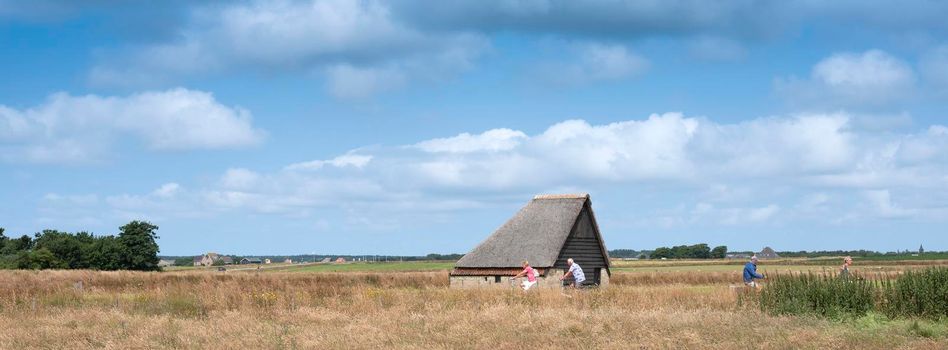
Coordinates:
(245,261)
(165,263)
(767,253)
(547,231)
(210,259)
(340,260)
(324,261)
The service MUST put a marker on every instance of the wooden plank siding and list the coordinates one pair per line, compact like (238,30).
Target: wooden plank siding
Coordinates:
(584,247)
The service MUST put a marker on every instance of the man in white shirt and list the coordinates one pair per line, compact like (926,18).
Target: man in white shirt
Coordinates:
(576,271)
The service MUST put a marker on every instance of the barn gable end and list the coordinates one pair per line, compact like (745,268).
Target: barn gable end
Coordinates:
(547,231)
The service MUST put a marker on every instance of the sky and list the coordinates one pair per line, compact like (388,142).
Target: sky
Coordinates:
(411,127)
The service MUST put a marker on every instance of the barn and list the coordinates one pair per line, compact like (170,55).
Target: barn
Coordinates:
(545,232)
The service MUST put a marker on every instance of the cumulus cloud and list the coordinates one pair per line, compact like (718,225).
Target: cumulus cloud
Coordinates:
(76,129)
(347,160)
(491,140)
(870,78)
(677,171)
(358,44)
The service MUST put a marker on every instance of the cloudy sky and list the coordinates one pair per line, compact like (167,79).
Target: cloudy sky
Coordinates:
(409,127)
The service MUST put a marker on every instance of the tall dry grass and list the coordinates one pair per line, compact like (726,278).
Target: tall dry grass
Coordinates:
(133,310)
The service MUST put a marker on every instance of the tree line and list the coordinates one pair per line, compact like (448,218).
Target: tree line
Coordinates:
(696,251)
(133,248)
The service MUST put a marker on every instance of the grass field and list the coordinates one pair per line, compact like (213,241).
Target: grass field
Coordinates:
(408,266)
(408,305)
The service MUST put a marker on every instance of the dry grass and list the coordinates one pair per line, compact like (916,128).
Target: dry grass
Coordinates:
(128,310)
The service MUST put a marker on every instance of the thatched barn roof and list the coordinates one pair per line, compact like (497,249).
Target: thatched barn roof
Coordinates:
(536,233)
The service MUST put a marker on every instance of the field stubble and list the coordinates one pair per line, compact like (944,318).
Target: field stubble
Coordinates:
(128,310)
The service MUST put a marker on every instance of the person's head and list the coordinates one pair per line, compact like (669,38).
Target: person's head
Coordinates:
(569,261)
(526,263)
(754,259)
(848,260)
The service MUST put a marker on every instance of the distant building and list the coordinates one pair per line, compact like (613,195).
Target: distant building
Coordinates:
(325,261)
(340,260)
(210,258)
(227,260)
(288,261)
(266,261)
(165,263)
(737,256)
(767,253)
(921,249)
(245,261)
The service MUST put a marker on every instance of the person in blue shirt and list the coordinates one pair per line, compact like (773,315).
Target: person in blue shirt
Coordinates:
(750,273)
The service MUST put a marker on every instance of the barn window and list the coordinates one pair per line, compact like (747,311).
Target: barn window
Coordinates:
(496,279)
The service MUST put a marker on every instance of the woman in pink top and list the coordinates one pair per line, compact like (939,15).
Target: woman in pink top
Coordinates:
(531,275)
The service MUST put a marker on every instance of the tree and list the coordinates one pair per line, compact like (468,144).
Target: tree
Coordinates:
(66,247)
(15,246)
(106,253)
(138,239)
(184,262)
(700,251)
(661,252)
(719,252)
(39,259)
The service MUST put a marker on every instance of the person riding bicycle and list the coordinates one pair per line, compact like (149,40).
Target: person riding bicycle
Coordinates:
(750,273)
(576,271)
(529,273)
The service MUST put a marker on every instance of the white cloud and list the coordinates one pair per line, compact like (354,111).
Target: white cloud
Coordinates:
(737,216)
(347,160)
(873,70)
(239,178)
(592,62)
(870,78)
(491,141)
(167,190)
(674,171)
(359,45)
(76,129)
(884,207)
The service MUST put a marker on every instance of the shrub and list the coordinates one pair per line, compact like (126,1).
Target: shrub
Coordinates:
(823,295)
(917,294)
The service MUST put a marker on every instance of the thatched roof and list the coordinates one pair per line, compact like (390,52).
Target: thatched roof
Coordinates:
(536,233)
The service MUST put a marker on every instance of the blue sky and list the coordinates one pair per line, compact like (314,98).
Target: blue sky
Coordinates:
(409,127)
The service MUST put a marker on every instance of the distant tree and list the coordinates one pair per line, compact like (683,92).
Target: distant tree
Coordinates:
(700,251)
(39,259)
(107,253)
(67,248)
(719,252)
(138,239)
(14,246)
(184,262)
(661,252)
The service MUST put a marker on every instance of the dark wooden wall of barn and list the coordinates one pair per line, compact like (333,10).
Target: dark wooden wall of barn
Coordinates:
(583,246)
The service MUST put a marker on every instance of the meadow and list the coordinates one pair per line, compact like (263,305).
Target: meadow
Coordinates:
(408,305)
